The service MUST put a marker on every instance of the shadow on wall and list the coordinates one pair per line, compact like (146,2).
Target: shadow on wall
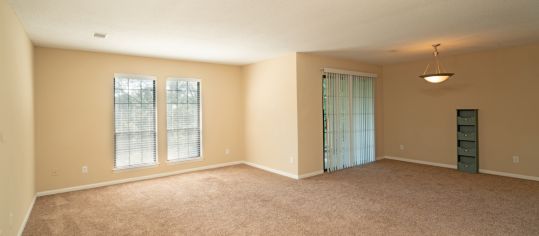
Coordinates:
(444,90)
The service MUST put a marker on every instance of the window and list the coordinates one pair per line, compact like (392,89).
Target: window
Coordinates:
(183,119)
(134,121)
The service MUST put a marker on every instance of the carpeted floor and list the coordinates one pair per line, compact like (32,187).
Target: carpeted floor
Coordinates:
(383,198)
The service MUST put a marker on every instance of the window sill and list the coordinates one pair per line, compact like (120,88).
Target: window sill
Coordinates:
(137,167)
(183,161)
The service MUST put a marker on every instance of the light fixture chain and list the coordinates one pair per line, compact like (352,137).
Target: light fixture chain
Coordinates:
(439,74)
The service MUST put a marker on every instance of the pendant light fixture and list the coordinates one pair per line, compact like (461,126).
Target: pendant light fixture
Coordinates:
(437,74)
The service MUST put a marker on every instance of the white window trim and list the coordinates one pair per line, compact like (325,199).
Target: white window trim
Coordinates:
(136,76)
(156,101)
(184,161)
(193,159)
(349,72)
(135,167)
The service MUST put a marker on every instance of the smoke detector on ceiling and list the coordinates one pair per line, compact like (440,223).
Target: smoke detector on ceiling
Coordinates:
(100,35)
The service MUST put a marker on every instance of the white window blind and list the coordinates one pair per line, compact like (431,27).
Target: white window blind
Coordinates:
(134,121)
(183,119)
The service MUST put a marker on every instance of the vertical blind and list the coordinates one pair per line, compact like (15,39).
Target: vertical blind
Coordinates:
(348,106)
(183,119)
(134,121)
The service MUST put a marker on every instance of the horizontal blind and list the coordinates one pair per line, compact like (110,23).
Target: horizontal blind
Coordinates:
(134,121)
(183,119)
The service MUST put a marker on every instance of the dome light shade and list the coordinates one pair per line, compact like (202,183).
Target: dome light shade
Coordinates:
(438,74)
(436,78)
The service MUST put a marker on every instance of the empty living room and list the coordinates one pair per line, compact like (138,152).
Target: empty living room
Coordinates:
(259,117)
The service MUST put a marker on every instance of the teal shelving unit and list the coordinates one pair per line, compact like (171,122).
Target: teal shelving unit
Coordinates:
(468,140)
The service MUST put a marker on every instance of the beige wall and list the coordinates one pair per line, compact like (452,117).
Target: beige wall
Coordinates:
(271,137)
(503,84)
(16,122)
(310,129)
(74,119)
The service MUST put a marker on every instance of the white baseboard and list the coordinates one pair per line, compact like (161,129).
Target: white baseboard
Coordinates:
(279,172)
(27,216)
(422,162)
(283,173)
(121,181)
(146,177)
(269,169)
(307,175)
(492,172)
(483,171)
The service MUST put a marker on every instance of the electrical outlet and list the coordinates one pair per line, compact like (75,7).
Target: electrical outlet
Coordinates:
(291,159)
(227,151)
(401,146)
(85,169)
(516,159)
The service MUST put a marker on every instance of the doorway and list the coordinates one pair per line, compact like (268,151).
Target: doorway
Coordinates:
(348,116)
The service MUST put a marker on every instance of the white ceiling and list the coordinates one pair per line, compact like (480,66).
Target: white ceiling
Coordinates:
(246,31)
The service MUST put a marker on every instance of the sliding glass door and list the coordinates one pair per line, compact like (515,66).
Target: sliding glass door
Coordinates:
(348,105)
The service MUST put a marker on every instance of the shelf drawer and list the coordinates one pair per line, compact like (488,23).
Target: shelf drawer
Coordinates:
(467,160)
(466,136)
(467,151)
(467,167)
(466,120)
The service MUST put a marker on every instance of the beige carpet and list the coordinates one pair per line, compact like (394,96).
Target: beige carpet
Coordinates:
(384,198)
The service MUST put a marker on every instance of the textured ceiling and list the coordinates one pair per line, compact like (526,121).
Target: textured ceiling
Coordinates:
(246,31)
